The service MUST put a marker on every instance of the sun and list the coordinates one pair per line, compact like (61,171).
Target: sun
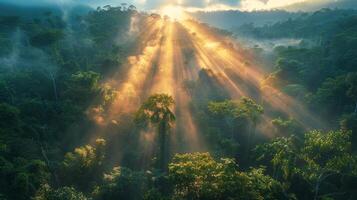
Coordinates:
(174,12)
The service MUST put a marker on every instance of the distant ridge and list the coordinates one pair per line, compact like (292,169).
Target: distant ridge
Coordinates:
(9,9)
(234,18)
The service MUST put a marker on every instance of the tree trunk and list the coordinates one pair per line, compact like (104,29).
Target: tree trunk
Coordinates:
(356,108)
(319,182)
(11,95)
(253,132)
(246,156)
(251,135)
(44,155)
(231,129)
(162,141)
(54,85)
(317,187)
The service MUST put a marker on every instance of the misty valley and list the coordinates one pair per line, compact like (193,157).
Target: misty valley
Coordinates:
(118,102)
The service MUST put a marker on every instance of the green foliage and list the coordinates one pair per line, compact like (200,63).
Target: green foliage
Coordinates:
(85,165)
(239,119)
(51,72)
(41,55)
(351,80)
(323,22)
(244,108)
(349,123)
(23,176)
(287,70)
(199,176)
(121,183)
(315,159)
(236,110)
(295,90)
(154,194)
(10,21)
(281,153)
(64,193)
(6,46)
(320,71)
(108,94)
(265,185)
(107,23)
(286,127)
(332,93)
(82,86)
(156,109)
(250,109)
(47,38)
(9,119)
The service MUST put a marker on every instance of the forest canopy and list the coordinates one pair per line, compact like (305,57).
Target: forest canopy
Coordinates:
(114,103)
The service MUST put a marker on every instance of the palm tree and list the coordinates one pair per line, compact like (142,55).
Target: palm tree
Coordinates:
(156,110)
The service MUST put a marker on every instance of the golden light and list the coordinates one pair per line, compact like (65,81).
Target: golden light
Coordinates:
(174,12)
(251,5)
(228,62)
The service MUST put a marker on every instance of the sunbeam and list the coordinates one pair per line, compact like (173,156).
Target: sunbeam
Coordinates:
(218,54)
(185,126)
(131,86)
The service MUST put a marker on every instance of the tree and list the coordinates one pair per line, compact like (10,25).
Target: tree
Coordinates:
(121,183)
(352,90)
(286,127)
(236,111)
(23,176)
(83,86)
(47,38)
(199,176)
(244,113)
(295,90)
(349,123)
(327,155)
(157,111)
(288,70)
(9,119)
(131,8)
(229,111)
(124,5)
(332,94)
(280,155)
(321,160)
(83,167)
(252,111)
(63,193)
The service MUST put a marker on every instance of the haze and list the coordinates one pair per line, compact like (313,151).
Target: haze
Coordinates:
(204,5)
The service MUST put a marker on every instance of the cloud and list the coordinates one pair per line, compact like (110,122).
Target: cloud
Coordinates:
(267,4)
(154,4)
(200,4)
(240,4)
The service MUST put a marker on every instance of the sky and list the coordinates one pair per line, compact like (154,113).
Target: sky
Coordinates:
(206,5)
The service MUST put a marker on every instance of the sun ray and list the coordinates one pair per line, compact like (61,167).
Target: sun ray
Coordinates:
(212,49)
(128,81)
(185,124)
(205,59)
(130,89)
(163,82)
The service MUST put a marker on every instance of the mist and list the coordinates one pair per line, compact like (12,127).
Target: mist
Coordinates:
(115,101)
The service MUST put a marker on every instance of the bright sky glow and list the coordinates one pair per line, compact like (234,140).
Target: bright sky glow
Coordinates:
(203,5)
(174,12)
(266,5)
